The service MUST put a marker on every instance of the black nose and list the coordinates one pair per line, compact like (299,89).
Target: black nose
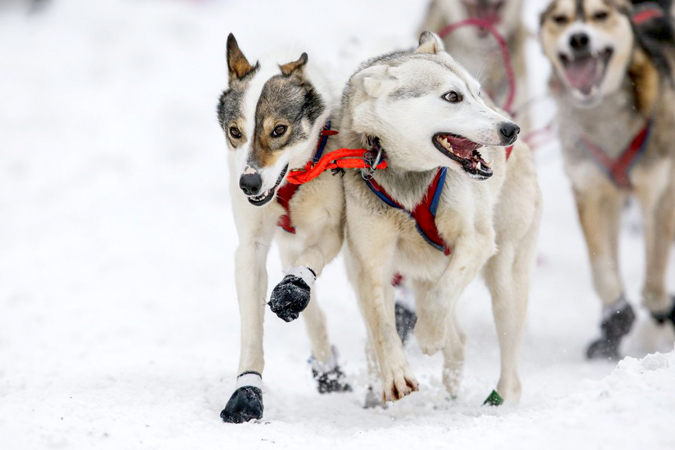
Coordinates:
(250,183)
(508,131)
(579,42)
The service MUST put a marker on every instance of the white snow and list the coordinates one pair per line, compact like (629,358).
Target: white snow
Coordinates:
(119,325)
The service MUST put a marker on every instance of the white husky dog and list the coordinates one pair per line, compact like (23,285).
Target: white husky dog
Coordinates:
(449,206)
(274,115)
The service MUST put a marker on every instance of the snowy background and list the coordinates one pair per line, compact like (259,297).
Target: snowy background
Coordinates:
(119,326)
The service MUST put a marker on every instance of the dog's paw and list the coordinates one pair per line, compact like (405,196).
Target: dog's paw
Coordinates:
(603,349)
(398,382)
(291,296)
(245,404)
(405,321)
(371,400)
(332,381)
(667,316)
(614,327)
(430,337)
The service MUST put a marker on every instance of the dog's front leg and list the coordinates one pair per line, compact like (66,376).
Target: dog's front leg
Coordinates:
(369,274)
(470,252)
(251,283)
(599,209)
(658,209)
(292,295)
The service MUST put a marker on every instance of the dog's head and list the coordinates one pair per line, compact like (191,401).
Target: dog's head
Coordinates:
(590,43)
(504,15)
(426,110)
(270,114)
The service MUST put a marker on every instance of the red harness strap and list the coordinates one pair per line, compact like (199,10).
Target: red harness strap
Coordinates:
(647,12)
(284,196)
(424,213)
(618,169)
(288,190)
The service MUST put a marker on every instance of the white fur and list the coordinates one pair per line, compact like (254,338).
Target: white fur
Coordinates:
(316,212)
(474,217)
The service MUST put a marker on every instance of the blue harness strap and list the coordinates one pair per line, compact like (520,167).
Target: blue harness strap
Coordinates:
(424,214)
(323,140)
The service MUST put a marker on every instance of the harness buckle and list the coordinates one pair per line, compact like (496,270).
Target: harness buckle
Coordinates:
(372,162)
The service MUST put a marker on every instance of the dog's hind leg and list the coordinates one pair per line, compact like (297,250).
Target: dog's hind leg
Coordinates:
(453,355)
(507,275)
(659,218)
(325,367)
(599,211)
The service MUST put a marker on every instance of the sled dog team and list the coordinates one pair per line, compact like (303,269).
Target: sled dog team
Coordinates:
(459,196)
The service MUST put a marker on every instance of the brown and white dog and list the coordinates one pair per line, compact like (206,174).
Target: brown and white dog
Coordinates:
(613,83)
(448,207)
(273,114)
(478,51)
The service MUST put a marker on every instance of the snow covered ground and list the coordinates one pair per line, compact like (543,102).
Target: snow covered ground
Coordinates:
(118,319)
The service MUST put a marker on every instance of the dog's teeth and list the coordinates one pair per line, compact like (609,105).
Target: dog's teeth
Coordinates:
(489,163)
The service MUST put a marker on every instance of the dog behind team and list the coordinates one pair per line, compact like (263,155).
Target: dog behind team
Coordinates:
(613,82)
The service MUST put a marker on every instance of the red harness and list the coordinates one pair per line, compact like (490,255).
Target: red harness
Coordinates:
(288,190)
(618,169)
(424,213)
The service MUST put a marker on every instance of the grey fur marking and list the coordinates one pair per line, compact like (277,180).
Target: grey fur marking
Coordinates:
(291,99)
(580,12)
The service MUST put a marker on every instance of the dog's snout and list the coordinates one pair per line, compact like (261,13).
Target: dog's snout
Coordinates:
(508,131)
(579,42)
(250,183)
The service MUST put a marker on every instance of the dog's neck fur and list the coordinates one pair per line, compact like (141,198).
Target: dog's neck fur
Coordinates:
(619,117)
(405,186)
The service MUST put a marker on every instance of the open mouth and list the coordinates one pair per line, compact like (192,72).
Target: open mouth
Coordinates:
(486,11)
(464,152)
(585,73)
(265,197)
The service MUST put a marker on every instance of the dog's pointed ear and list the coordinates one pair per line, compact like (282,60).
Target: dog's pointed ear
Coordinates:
(237,64)
(430,43)
(374,81)
(295,67)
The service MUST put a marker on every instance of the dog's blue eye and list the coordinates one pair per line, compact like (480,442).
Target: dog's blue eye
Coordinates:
(235,133)
(452,97)
(279,130)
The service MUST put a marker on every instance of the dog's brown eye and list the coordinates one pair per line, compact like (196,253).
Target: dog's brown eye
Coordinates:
(600,16)
(235,133)
(560,20)
(452,97)
(279,130)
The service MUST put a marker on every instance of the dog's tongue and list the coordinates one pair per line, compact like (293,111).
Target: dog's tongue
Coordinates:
(581,73)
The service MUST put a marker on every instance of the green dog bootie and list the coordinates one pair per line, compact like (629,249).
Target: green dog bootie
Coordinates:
(494,399)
